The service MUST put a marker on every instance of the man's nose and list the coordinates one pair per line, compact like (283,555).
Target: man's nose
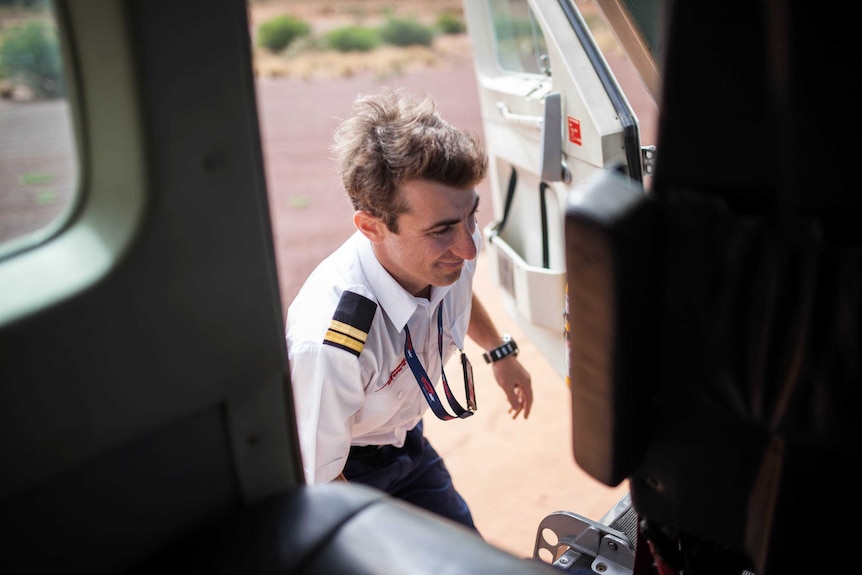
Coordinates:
(464,246)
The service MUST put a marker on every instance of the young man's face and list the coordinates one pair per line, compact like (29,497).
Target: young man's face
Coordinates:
(434,236)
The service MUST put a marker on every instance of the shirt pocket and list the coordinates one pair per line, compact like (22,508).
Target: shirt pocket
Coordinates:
(385,400)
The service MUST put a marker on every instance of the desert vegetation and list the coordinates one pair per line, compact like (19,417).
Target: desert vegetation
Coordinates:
(345,37)
(30,66)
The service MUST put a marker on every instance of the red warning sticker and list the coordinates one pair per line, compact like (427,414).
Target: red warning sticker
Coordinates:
(574,131)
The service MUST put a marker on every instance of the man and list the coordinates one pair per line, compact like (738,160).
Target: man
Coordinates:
(373,327)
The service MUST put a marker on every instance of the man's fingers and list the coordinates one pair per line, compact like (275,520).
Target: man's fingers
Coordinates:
(514,411)
(523,400)
(527,399)
(518,402)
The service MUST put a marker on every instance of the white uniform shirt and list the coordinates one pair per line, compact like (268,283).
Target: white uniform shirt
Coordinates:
(369,396)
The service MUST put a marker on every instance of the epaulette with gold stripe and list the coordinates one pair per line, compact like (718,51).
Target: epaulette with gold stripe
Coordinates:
(350,323)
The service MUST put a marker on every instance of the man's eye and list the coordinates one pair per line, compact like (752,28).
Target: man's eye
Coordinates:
(441,231)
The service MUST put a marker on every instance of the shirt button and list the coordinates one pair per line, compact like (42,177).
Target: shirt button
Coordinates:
(400,394)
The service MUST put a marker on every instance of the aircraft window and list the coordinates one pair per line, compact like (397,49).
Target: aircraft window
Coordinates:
(38,157)
(520,42)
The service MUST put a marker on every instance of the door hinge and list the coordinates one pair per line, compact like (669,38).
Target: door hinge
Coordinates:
(648,159)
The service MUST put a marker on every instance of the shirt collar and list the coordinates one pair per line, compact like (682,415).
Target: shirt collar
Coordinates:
(398,303)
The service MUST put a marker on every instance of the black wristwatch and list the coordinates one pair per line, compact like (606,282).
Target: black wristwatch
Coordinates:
(508,348)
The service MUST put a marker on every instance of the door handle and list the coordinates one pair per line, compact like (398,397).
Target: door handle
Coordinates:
(519,119)
(553,168)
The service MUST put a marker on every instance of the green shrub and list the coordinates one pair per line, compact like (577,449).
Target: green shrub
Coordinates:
(30,55)
(277,33)
(406,32)
(305,45)
(449,23)
(353,39)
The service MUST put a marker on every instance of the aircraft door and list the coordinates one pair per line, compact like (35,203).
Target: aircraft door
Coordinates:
(553,115)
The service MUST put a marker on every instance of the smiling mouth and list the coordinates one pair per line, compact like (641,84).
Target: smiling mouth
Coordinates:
(451,265)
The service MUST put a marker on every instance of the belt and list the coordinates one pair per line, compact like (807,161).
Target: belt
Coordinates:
(364,451)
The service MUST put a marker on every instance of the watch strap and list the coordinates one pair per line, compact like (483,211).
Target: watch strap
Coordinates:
(508,348)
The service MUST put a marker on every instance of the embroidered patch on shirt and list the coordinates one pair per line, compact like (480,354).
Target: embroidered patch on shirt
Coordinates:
(393,375)
(350,323)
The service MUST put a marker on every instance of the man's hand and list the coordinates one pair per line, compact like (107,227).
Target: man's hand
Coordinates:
(509,373)
(515,381)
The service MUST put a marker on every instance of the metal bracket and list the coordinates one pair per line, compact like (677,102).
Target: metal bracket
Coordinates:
(570,541)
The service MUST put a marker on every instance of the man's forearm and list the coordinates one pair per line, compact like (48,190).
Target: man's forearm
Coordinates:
(481,328)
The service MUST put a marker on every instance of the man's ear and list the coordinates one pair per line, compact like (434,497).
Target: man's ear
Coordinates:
(371,226)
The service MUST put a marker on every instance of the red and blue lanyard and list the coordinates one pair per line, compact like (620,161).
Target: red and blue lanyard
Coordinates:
(424,381)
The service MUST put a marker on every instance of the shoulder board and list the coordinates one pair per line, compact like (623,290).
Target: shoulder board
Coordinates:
(350,323)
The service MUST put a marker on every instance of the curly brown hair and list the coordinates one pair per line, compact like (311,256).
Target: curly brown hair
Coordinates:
(393,138)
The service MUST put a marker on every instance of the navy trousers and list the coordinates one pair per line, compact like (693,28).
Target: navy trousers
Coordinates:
(414,473)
